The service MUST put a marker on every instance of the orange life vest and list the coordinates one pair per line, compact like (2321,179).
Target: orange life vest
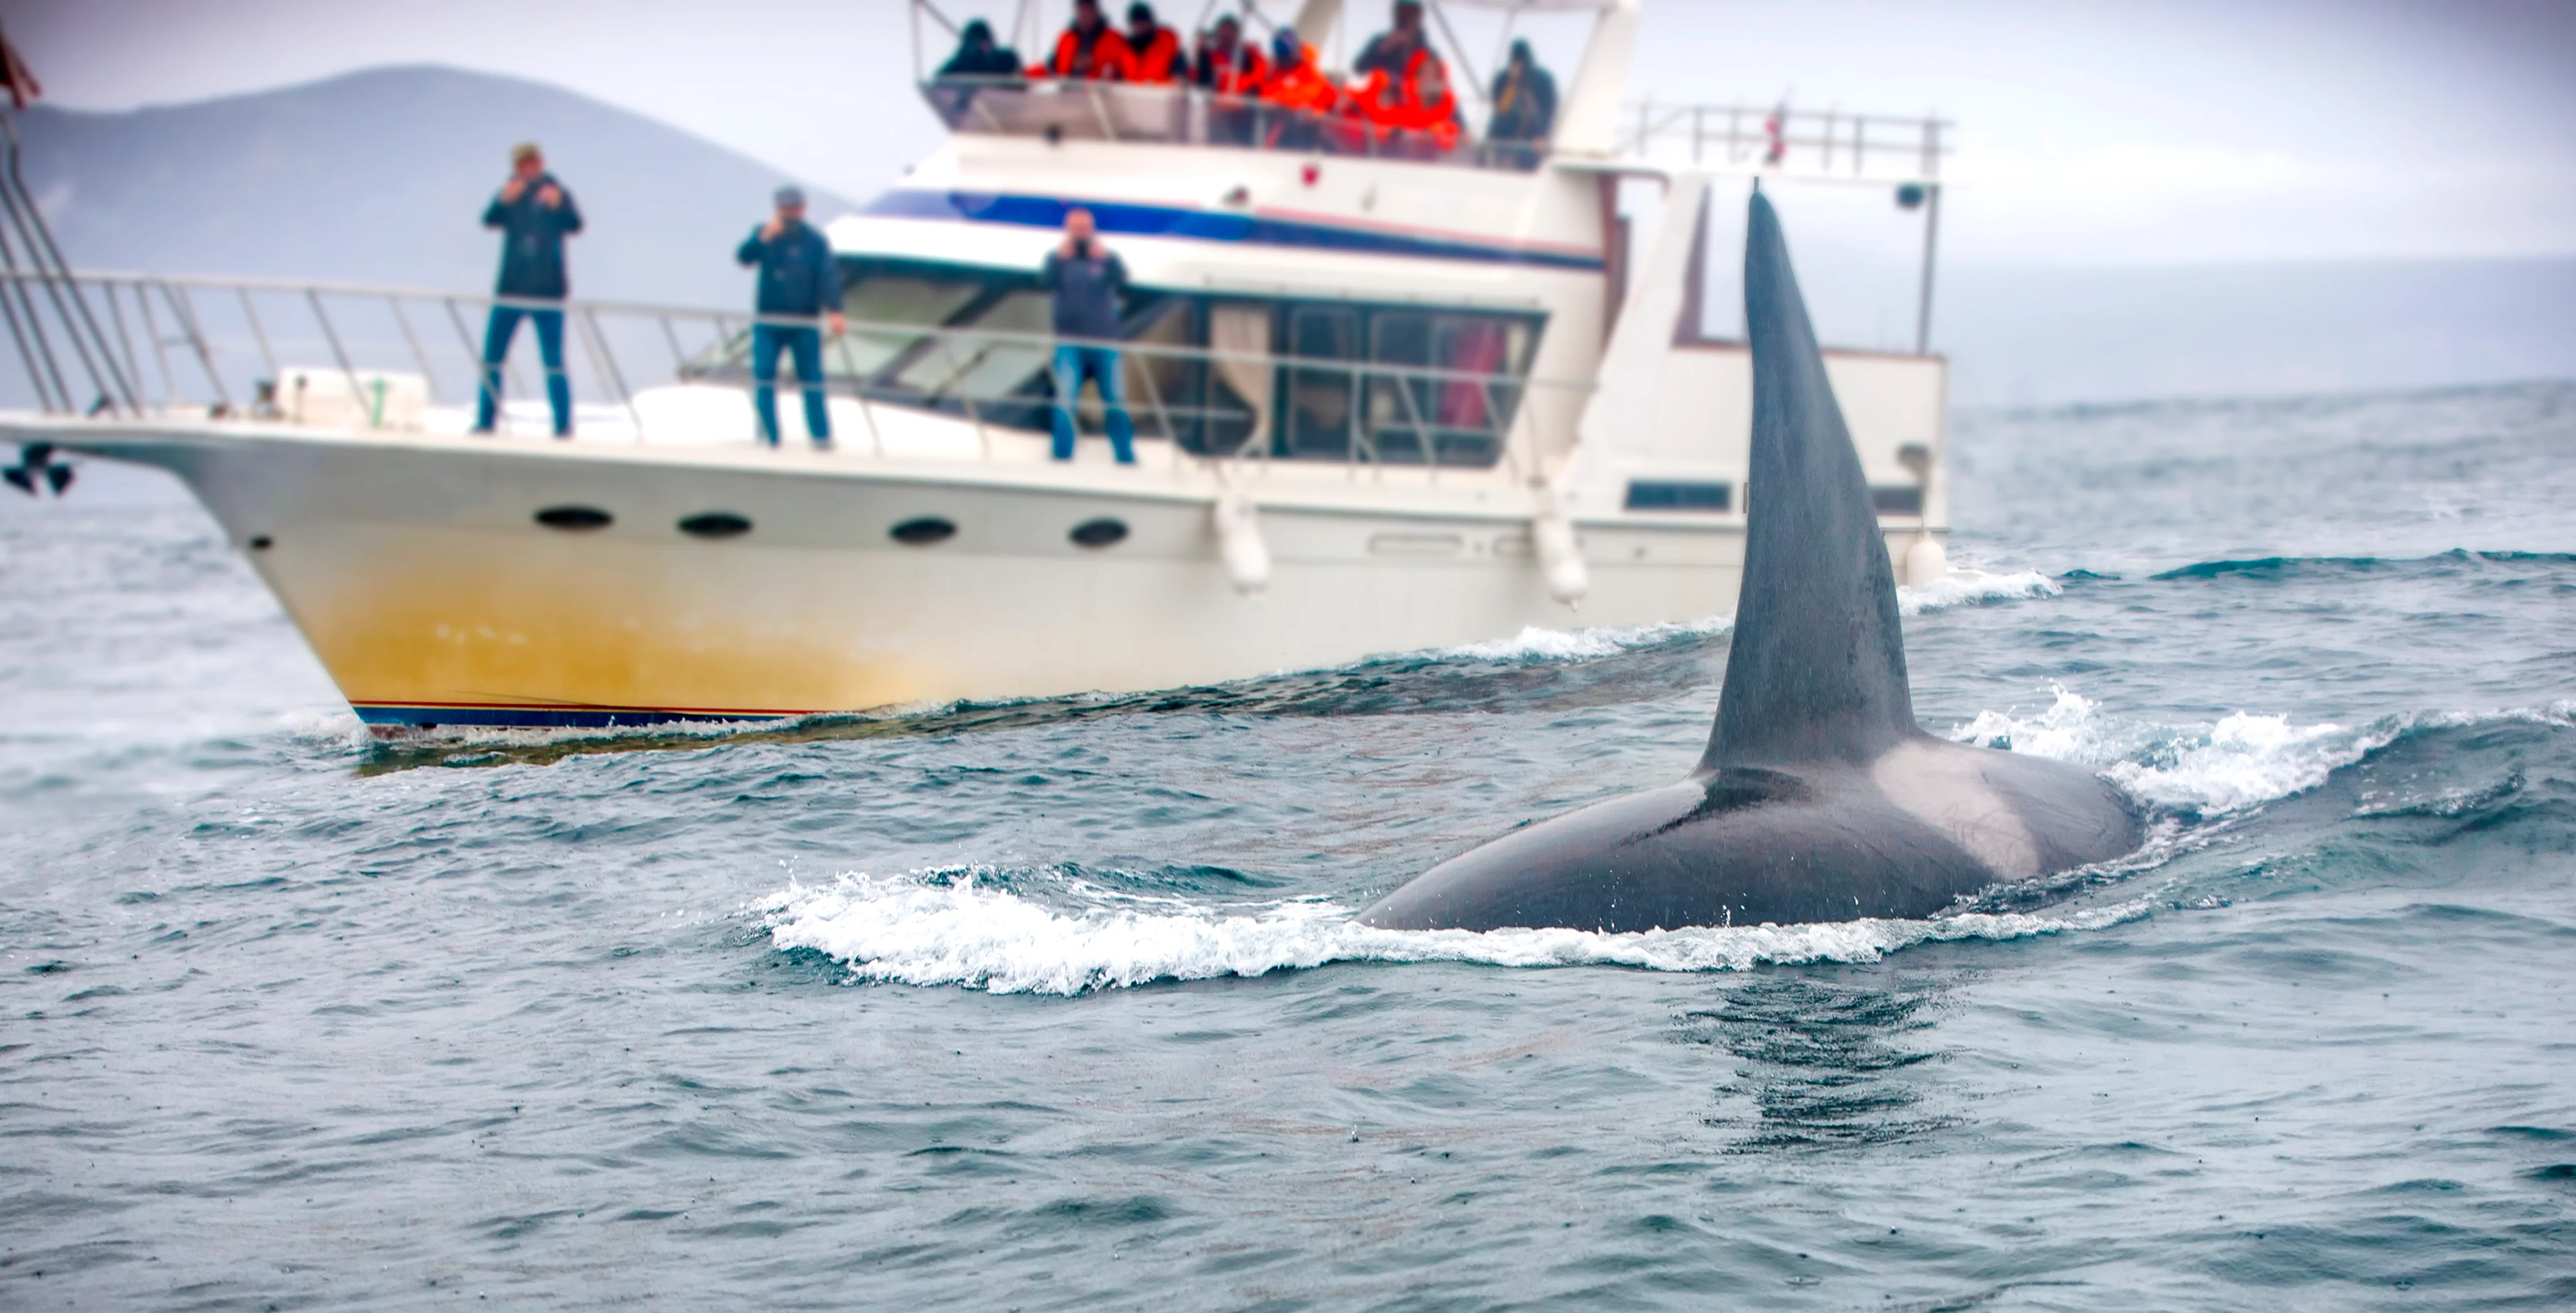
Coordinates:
(1109,59)
(1418,100)
(1240,74)
(1302,88)
(1159,61)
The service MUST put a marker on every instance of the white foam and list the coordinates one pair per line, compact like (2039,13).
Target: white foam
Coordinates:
(940,929)
(2241,760)
(1967,587)
(2248,759)
(1536,644)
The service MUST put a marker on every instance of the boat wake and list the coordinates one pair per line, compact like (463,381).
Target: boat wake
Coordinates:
(1062,932)
(955,928)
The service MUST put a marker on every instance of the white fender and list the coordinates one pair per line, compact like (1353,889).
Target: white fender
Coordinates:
(1238,541)
(1560,556)
(1925,561)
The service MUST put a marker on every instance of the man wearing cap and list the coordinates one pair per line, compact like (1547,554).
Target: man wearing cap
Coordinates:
(534,214)
(798,281)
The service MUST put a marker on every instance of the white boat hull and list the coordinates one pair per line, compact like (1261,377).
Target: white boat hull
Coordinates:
(415,568)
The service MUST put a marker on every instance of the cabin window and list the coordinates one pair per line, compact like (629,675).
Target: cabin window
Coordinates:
(1445,421)
(1897,499)
(1675,495)
(1318,398)
(1320,401)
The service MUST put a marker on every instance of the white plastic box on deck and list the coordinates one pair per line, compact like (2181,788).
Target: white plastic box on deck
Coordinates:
(366,400)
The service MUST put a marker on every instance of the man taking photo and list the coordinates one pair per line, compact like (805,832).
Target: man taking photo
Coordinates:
(797,280)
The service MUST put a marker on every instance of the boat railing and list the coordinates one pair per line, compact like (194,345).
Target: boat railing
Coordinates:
(1826,144)
(402,359)
(1077,109)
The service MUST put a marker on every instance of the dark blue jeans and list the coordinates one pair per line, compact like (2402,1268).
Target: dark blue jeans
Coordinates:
(1075,363)
(806,344)
(496,348)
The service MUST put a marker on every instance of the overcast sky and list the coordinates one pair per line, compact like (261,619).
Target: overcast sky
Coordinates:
(2102,132)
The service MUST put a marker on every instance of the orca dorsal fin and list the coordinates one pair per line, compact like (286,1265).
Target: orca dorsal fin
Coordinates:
(1816,669)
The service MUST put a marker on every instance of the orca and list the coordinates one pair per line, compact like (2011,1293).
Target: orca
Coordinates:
(1819,798)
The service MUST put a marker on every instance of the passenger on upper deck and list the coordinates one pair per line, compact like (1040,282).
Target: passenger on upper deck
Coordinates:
(1406,93)
(1300,99)
(979,62)
(1153,50)
(979,56)
(1225,64)
(1233,72)
(1524,110)
(1090,49)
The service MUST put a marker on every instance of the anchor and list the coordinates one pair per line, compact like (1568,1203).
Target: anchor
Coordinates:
(37,466)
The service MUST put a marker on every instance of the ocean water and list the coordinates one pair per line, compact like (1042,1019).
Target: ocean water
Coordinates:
(1053,1005)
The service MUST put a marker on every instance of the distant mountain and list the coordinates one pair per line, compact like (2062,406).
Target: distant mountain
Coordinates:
(381,176)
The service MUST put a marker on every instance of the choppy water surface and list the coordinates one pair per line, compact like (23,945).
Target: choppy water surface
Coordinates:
(1053,1005)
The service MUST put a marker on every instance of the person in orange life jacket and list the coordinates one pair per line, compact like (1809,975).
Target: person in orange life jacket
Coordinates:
(1227,65)
(1153,51)
(534,214)
(797,278)
(1090,49)
(1233,72)
(1086,279)
(1412,104)
(1301,97)
(1405,93)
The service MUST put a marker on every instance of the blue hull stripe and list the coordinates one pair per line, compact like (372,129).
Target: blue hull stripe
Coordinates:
(1205,226)
(548,718)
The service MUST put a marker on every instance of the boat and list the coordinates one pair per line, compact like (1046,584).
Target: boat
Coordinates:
(1392,394)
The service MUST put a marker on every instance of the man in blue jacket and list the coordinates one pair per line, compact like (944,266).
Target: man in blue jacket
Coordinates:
(1086,279)
(534,214)
(796,279)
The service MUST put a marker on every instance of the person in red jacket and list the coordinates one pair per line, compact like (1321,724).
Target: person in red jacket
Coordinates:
(1410,106)
(1299,102)
(1232,71)
(1153,50)
(1090,49)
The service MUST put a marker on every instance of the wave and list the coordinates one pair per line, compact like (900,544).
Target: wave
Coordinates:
(2285,566)
(2239,761)
(935,928)
(989,929)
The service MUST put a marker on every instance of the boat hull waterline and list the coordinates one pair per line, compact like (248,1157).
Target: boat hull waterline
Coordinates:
(417,569)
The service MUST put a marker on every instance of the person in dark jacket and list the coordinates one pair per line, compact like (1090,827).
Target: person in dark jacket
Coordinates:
(534,213)
(797,280)
(981,55)
(1524,102)
(980,62)
(1086,279)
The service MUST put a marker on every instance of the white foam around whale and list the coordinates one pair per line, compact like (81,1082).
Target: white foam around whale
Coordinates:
(1534,644)
(940,929)
(2239,761)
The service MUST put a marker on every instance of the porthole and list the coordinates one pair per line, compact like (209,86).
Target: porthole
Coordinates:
(715,524)
(262,542)
(575,518)
(1098,533)
(923,532)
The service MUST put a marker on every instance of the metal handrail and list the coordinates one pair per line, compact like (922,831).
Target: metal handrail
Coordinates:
(1500,398)
(1826,143)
